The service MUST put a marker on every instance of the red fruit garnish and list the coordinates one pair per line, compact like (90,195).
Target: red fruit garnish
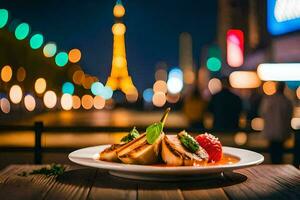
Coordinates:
(212,145)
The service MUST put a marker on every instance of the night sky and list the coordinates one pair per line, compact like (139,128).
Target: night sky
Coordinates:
(153,28)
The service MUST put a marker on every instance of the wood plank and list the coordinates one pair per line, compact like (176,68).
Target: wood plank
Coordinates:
(110,187)
(73,184)
(267,182)
(205,194)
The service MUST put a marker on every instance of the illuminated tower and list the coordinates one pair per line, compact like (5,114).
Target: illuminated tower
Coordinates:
(119,78)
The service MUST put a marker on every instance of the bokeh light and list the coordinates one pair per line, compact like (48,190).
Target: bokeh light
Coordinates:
(29,102)
(244,79)
(175,85)
(50,99)
(6,73)
(68,88)
(87,101)
(160,86)
(22,31)
(269,88)
(15,94)
(3,17)
(159,99)
(40,85)
(78,77)
(36,41)
(107,92)
(240,138)
(99,102)
(74,55)
(213,64)
(97,88)
(173,98)
(5,105)
(235,47)
(119,10)
(76,102)
(214,86)
(61,59)
(66,101)
(257,124)
(279,71)
(87,82)
(21,74)
(295,123)
(298,92)
(147,95)
(49,49)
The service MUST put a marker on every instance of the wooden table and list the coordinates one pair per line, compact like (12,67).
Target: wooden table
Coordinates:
(260,182)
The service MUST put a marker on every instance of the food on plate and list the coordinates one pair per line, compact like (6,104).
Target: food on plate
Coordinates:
(110,153)
(143,149)
(182,149)
(154,147)
(212,145)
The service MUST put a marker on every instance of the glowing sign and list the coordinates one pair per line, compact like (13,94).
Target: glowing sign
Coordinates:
(244,79)
(279,71)
(235,48)
(283,16)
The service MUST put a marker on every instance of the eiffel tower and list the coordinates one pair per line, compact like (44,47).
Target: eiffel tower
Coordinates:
(119,78)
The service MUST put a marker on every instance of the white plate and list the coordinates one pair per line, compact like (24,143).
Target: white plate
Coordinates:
(89,157)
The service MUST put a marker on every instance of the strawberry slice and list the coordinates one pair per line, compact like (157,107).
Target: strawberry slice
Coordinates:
(212,145)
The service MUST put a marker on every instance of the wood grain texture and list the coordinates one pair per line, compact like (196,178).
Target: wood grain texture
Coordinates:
(267,182)
(259,182)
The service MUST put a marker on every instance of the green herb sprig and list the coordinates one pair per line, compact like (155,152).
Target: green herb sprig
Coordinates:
(133,134)
(50,170)
(154,130)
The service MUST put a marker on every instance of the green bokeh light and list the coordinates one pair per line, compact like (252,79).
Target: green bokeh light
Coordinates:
(213,64)
(36,41)
(50,49)
(61,59)
(3,17)
(22,31)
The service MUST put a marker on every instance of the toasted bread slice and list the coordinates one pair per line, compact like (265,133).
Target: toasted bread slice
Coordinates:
(174,153)
(140,152)
(110,153)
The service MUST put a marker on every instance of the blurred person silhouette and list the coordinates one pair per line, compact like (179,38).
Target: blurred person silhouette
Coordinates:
(276,110)
(254,102)
(194,108)
(226,108)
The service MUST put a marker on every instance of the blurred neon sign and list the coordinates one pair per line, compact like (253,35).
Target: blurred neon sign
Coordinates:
(235,47)
(279,71)
(283,16)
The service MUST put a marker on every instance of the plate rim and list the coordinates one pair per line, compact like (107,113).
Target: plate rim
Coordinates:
(112,166)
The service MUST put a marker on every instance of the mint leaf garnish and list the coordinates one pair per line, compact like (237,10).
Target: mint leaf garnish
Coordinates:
(131,135)
(153,132)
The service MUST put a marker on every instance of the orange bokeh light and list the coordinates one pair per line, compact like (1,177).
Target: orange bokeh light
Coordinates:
(6,73)
(269,88)
(87,101)
(160,86)
(76,102)
(159,99)
(99,102)
(74,55)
